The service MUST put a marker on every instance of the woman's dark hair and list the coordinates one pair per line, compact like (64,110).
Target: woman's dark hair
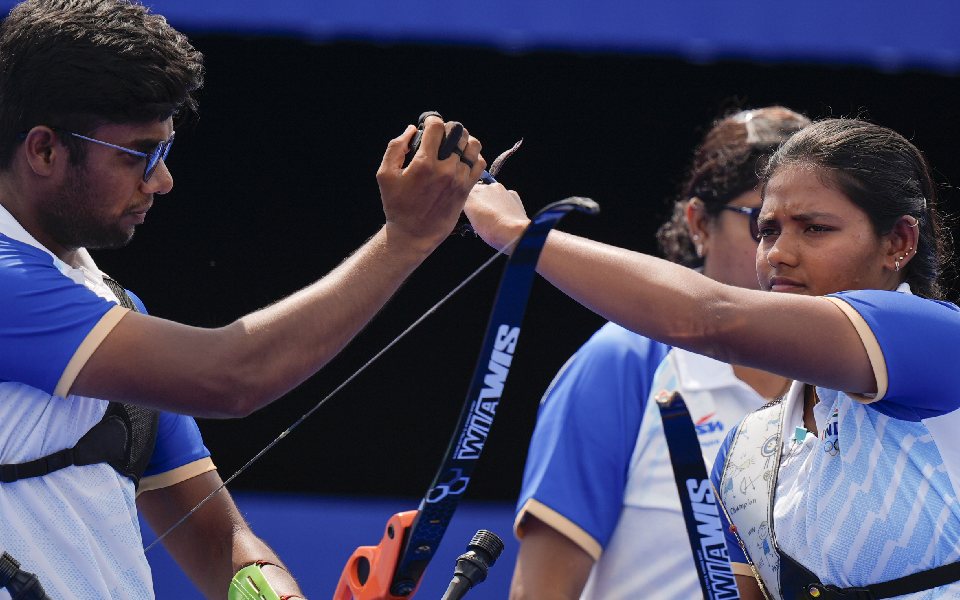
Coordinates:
(886,176)
(727,163)
(76,64)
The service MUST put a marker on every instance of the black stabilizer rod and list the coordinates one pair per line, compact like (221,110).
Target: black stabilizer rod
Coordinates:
(21,584)
(472,565)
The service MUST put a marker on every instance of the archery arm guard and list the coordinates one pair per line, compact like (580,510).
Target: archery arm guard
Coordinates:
(250,584)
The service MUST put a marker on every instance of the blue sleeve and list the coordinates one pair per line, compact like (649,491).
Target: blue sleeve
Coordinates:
(733,546)
(44,316)
(920,342)
(587,428)
(137,302)
(178,443)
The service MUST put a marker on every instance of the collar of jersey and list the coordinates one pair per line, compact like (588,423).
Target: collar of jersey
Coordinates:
(701,373)
(10,227)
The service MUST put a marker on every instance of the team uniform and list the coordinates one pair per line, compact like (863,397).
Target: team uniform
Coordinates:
(873,497)
(599,471)
(76,527)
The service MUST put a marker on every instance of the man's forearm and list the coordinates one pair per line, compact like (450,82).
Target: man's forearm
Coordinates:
(276,348)
(234,370)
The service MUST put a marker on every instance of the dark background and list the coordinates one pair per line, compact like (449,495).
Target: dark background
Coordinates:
(275,185)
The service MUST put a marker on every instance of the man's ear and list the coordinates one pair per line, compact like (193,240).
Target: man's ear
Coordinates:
(43,151)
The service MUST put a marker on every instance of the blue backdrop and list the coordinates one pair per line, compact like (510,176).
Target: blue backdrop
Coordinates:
(887,34)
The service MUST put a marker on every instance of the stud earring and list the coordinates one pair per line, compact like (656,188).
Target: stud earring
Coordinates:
(896,264)
(697,246)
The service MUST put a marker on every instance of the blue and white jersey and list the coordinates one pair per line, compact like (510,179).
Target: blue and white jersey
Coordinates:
(599,470)
(76,528)
(873,497)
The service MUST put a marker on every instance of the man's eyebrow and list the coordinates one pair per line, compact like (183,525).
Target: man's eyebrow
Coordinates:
(145,144)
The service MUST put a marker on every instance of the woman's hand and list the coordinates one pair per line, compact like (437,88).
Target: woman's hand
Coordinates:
(497,214)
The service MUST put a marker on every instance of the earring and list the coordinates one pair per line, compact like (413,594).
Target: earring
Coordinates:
(896,263)
(698,247)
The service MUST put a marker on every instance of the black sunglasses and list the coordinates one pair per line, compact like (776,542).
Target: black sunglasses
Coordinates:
(751,213)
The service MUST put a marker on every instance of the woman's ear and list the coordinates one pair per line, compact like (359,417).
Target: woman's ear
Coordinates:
(901,242)
(697,220)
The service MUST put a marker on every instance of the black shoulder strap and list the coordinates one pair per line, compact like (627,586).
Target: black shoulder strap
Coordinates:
(700,510)
(799,583)
(123,438)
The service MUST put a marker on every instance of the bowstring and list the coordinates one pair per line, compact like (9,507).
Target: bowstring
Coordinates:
(323,401)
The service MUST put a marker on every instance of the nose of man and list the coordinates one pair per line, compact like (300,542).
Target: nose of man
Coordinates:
(160,182)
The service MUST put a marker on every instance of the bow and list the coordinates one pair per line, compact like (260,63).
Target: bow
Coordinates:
(392,570)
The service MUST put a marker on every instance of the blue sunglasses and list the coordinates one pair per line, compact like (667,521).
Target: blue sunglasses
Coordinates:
(153,157)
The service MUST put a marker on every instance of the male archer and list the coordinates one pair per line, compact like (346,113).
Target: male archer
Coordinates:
(93,391)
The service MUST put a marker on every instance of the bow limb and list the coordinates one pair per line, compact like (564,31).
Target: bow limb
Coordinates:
(393,569)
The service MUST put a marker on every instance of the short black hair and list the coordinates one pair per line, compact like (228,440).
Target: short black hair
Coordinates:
(77,64)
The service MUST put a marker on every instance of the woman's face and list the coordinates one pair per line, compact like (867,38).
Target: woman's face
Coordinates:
(814,240)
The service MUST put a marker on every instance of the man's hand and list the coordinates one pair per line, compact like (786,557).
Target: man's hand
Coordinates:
(423,201)
(497,214)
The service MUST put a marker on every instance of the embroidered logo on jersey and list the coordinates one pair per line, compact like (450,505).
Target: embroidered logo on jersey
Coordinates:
(707,425)
(831,434)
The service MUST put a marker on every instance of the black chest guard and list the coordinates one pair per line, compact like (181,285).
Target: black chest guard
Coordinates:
(123,438)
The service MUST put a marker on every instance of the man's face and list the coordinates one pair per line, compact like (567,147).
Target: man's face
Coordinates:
(100,201)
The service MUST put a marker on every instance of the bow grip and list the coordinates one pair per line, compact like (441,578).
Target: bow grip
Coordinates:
(369,572)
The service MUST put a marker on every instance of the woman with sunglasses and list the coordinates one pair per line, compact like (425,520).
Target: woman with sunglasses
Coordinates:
(598,491)
(851,481)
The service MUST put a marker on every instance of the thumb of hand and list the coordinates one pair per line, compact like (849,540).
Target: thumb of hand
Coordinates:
(397,148)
